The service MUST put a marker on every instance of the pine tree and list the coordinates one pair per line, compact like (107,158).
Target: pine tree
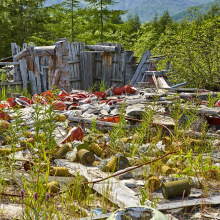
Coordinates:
(102,14)
(71,4)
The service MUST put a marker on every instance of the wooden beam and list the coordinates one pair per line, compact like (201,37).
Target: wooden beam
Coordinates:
(37,51)
(74,80)
(44,51)
(9,63)
(22,54)
(157,73)
(130,58)
(74,61)
(135,78)
(101,48)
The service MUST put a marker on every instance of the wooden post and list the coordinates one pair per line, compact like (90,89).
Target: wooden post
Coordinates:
(86,69)
(62,64)
(142,67)
(23,68)
(43,70)
(106,68)
(51,72)
(15,49)
(38,78)
(32,79)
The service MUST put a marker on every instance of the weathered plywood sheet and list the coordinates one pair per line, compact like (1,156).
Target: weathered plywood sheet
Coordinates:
(112,189)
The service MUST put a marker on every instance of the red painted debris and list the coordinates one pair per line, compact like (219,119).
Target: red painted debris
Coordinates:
(5,116)
(59,105)
(112,101)
(114,119)
(119,90)
(130,89)
(74,134)
(101,95)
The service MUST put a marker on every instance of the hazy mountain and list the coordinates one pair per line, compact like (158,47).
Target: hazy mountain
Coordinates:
(202,9)
(146,9)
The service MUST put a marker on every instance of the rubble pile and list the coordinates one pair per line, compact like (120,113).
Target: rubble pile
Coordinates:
(155,147)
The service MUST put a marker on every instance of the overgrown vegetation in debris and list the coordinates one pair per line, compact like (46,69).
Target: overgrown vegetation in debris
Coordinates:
(46,141)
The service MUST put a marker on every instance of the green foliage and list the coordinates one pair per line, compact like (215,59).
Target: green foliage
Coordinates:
(193,52)
(16,89)
(70,5)
(102,86)
(102,17)
(20,22)
(94,129)
(3,78)
(150,32)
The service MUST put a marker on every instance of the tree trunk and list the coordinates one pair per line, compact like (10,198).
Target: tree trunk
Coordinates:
(101,24)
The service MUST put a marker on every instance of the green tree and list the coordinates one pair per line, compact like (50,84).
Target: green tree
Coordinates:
(71,4)
(101,15)
(151,32)
(21,21)
(193,52)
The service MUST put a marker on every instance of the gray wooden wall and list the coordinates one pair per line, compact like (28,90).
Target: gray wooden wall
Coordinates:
(86,67)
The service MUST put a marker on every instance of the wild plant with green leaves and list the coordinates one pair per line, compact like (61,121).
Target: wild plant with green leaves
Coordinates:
(3,78)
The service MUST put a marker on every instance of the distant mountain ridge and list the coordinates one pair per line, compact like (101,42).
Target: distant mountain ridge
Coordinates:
(146,9)
(202,9)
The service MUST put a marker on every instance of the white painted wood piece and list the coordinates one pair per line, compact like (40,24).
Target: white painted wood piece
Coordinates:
(112,189)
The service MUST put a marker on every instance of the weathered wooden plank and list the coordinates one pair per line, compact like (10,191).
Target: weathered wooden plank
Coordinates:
(62,65)
(31,75)
(156,73)
(43,77)
(33,82)
(65,49)
(123,59)
(18,56)
(15,49)
(82,71)
(37,51)
(75,80)
(38,78)
(70,64)
(73,62)
(98,68)
(51,72)
(74,66)
(89,75)
(192,202)
(36,68)
(101,48)
(44,51)
(112,189)
(135,78)
(106,68)
(86,70)
(79,47)
(23,68)
(119,73)
(9,63)
(130,58)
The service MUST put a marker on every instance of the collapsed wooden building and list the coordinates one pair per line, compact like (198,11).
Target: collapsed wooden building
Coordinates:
(75,65)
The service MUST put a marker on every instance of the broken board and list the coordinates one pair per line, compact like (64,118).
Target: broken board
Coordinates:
(111,188)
